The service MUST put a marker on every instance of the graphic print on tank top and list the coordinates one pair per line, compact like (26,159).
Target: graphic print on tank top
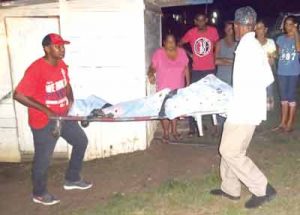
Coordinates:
(202,46)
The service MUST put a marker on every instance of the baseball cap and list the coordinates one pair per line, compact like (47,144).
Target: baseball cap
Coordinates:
(54,39)
(245,16)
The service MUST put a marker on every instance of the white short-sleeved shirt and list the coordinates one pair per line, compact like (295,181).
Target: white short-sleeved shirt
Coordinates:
(252,74)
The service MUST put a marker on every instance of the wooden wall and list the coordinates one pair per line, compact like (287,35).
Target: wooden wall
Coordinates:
(109,39)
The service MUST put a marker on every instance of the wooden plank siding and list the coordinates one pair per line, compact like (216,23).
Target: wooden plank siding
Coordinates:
(111,46)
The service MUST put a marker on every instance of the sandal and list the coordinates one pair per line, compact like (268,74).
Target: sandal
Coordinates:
(165,139)
(177,137)
(288,130)
(279,129)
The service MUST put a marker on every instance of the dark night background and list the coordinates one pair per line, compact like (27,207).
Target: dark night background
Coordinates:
(269,10)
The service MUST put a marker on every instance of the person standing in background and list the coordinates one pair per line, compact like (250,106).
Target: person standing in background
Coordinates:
(170,64)
(225,49)
(202,39)
(225,54)
(288,72)
(269,47)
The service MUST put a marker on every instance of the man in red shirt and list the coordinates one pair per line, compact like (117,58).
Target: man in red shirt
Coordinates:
(202,39)
(45,89)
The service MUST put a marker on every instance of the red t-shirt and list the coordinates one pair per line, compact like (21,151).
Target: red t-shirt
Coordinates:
(46,84)
(202,44)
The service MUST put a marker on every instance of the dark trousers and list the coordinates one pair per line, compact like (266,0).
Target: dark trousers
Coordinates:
(44,144)
(196,76)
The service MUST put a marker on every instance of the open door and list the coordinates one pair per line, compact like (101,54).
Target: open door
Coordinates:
(25,36)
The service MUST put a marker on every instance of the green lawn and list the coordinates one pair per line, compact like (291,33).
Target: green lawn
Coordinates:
(278,155)
(192,197)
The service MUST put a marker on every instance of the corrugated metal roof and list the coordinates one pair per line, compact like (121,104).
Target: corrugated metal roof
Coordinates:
(170,3)
(17,3)
(158,3)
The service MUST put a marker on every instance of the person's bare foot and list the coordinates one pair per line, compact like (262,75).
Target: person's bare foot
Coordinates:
(279,128)
(288,129)
(166,139)
(176,136)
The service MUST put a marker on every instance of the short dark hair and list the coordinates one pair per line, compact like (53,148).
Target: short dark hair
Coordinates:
(200,14)
(169,35)
(292,18)
(264,22)
(228,22)
(46,41)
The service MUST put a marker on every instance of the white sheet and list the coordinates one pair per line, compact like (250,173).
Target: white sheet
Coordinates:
(209,95)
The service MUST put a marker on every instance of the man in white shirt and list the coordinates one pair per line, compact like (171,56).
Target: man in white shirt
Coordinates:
(251,76)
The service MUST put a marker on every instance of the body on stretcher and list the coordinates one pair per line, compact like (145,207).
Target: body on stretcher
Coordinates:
(209,96)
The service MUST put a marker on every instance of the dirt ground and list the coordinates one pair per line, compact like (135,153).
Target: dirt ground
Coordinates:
(141,171)
(119,174)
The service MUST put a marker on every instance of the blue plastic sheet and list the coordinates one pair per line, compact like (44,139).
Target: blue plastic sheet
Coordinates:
(83,107)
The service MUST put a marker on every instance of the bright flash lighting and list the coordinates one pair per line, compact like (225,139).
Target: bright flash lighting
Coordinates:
(215,15)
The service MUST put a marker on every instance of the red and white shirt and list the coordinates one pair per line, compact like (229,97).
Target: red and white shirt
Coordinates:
(46,84)
(202,44)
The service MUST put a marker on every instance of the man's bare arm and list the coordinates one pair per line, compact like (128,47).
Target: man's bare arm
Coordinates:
(30,102)
(70,95)
(224,62)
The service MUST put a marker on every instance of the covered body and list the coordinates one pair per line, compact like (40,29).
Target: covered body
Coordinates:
(209,95)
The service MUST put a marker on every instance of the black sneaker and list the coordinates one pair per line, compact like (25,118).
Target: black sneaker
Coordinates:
(219,192)
(256,201)
(46,199)
(78,185)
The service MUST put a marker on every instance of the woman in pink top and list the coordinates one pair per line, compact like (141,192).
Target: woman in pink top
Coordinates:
(170,64)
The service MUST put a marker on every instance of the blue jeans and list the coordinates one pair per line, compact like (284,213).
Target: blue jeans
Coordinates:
(197,76)
(44,144)
(288,87)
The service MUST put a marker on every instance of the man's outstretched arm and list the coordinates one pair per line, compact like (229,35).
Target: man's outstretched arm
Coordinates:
(30,102)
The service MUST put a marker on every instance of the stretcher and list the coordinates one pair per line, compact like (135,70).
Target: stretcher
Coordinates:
(209,96)
(86,120)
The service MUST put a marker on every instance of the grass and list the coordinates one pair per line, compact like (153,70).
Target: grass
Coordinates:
(279,157)
(172,197)
(191,197)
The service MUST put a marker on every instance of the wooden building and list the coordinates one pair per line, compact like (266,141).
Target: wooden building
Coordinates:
(111,45)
